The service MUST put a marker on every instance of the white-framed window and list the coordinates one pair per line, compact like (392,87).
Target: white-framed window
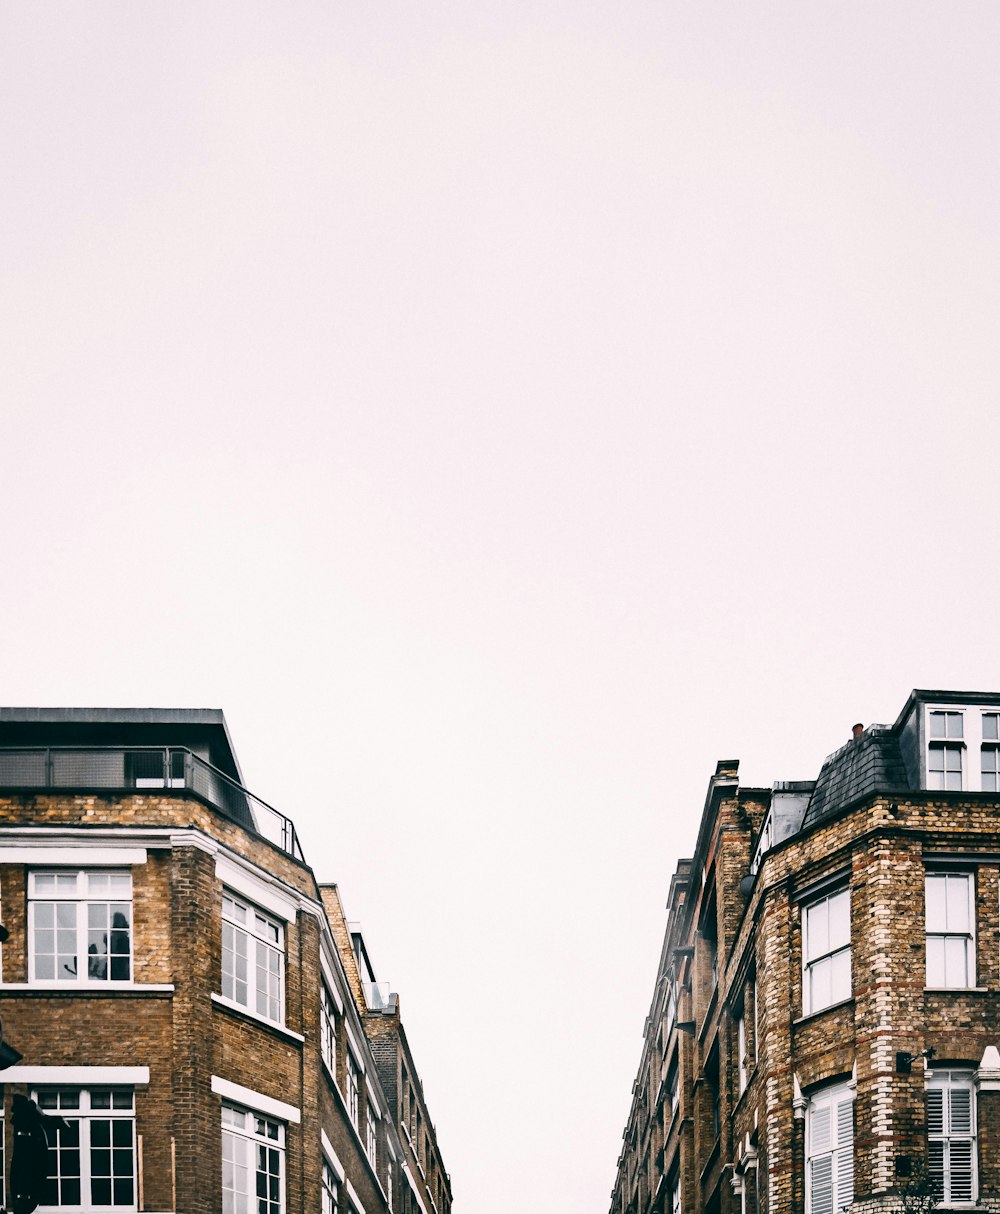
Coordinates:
(330,1190)
(253,1155)
(963,749)
(328,1030)
(950,1103)
(253,958)
(371,1134)
(950,926)
(388,1181)
(353,1089)
(743,1058)
(989,753)
(673,1090)
(830,1150)
(826,951)
(670,1014)
(80,925)
(92,1163)
(674,1192)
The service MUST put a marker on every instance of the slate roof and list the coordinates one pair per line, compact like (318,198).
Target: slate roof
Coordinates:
(867,764)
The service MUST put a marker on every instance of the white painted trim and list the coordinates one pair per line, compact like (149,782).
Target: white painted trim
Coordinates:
(241,879)
(111,855)
(413,1188)
(352,1195)
(85,1076)
(331,1155)
(373,1098)
(255,1100)
(233,1006)
(331,982)
(352,1045)
(92,988)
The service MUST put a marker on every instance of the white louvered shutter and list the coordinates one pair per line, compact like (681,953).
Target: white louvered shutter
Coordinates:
(845,1152)
(831,1151)
(951,1135)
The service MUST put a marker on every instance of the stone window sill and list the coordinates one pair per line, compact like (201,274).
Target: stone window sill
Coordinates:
(87,988)
(956,990)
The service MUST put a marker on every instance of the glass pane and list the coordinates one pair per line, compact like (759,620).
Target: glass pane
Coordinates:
(958,902)
(840,920)
(840,978)
(954,724)
(820,975)
(956,961)
(935,895)
(937,724)
(817,930)
(935,961)
(991,721)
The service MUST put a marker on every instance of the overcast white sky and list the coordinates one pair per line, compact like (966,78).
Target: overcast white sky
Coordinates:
(503,411)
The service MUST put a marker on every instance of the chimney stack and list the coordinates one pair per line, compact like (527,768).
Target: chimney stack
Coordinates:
(858,730)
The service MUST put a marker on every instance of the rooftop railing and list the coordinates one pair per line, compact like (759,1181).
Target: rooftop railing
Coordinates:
(134,768)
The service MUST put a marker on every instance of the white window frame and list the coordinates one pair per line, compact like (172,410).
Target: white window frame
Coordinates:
(743,1059)
(328,1029)
(352,1082)
(830,1149)
(263,938)
(73,888)
(50,1099)
(821,957)
(938,978)
(978,726)
(674,1088)
(957,1134)
(674,1191)
(248,1132)
(330,1183)
(371,1134)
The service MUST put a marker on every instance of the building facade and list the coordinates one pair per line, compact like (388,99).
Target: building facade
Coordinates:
(184,993)
(824,1033)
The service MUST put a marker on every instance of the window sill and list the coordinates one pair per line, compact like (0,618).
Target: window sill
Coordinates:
(230,1005)
(822,1011)
(88,988)
(956,990)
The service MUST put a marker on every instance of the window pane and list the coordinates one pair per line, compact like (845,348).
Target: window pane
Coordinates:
(956,961)
(937,724)
(958,891)
(840,978)
(817,929)
(840,919)
(935,893)
(935,961)
(991,721)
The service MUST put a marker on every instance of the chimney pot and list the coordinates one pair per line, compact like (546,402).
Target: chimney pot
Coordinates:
(858,730)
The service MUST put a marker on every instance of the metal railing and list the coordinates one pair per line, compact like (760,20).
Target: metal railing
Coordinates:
(130,768)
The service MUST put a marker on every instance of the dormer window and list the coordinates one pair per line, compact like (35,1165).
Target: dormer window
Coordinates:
(963,749)
(944,756)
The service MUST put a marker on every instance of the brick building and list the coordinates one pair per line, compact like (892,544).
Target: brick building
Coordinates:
(183,992)
(824,1032)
